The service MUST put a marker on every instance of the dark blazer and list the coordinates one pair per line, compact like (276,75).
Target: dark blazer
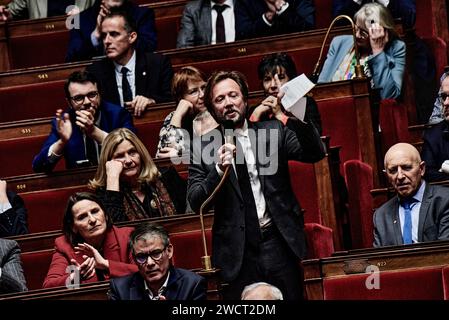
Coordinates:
(153,72)
(296,141)
(80,44)
(12,278)
(435,151)
(115,249)
(182,285)
(433,218)
(14,221)
(112,117)
(196,24)
(299,16)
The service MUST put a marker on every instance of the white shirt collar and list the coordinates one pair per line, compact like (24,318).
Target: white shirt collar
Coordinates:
(131,65)
(229,3)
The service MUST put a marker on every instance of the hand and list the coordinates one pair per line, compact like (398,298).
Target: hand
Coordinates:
(184,107)
(114,168)
(86,269)
(225,155)
(445,167)
(74,11)
(85,120)
(167,152)
(63,125)
(104,11)
(279,4)
(89,251)
(5,14)
(2,189)
(378,38)
(139,105)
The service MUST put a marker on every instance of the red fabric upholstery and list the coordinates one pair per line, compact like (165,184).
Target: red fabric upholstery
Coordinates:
(359,181)
(303,181)
(188,248)
(323,13)
(167,30)
(17,155)
(35,267)
(38,100)
(421,284)
(393,122)
(424,27)
(445,275)
(46,208)
(149,134)
(319,241)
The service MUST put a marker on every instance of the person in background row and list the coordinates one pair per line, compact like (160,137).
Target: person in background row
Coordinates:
(157,278)
(260,18)
(419,212)
(261,291)
(207,22)
(13,214)
(95,248)
(437,113)
(85,42)
(78,133)
(130,184)
(274,71)
(132,78)
(33,9)
(382,54)
(190,117)
(12,278)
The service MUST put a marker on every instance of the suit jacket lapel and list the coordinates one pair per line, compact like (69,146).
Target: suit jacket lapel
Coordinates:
(137,288)
(397,223)
(141,74)
(254,147)
(423,211)
(111,82)
(206,20)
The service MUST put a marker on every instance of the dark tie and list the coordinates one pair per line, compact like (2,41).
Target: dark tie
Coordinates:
(407,231)
(91,151)
(219,25)
(252,228)
(126,88)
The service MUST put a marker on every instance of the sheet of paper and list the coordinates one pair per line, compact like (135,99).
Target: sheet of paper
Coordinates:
(295,90)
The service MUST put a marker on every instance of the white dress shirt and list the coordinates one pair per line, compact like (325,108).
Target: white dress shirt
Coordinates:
(131,76)
(229,21)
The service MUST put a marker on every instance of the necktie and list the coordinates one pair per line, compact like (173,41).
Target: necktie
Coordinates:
(126,88)
(407,231)
(252,228)
(219,25)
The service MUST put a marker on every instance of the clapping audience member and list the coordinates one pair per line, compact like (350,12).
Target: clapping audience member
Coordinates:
(207,22)
(132,78)
(274,71)
(13,214)
(86,42)
(382,54)
(260,18)
(77,134)
(33,9)
(420,211)
(157,278)
(130,184)
(94,248)
(261,291)
(190,118)
(12,278)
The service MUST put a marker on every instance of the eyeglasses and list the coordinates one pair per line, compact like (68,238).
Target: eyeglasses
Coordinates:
(156,255)
(443,96)
(80,98)
(196,91)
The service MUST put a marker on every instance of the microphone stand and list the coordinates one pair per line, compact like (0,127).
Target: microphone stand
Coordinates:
(359,73)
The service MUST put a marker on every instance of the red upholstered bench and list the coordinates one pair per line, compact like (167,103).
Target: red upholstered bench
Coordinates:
(149,134)
(35,266)
(406,284)
(445,275)
(188,248)
(320,243)
(393,122)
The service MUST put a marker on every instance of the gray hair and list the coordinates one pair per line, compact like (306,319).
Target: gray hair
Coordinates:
(146,230)
(276,294)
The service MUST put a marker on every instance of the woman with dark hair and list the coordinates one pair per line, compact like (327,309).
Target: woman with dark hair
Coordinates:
(129,183)
(94,248)
(274,71)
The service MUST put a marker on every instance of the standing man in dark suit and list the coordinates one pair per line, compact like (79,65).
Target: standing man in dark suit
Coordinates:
(157,279)
(419,212)
(77,133)
(200,23)
(13,214)
(261,18)
(11,272)
(131,78)
(258,232)
(85,41)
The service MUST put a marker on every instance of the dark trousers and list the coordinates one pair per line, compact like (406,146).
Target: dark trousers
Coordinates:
(272,262)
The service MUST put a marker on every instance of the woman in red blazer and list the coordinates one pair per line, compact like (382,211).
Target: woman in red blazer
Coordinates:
(91,249)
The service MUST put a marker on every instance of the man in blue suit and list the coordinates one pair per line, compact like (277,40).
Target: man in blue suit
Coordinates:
(157,279)
(77,134)
(86,43)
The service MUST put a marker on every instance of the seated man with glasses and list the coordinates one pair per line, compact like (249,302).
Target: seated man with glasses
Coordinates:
(435,151)
(157,279)
(77,133)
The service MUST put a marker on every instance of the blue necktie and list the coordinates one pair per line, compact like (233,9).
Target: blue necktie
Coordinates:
(407,232)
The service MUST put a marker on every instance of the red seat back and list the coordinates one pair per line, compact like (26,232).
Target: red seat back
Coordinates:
(35,267)
(323,13)
(149,134)
(167,30)
(320,243)
(188,248)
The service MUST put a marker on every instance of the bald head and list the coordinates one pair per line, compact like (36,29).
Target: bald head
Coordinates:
(261,291)
(404,169)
